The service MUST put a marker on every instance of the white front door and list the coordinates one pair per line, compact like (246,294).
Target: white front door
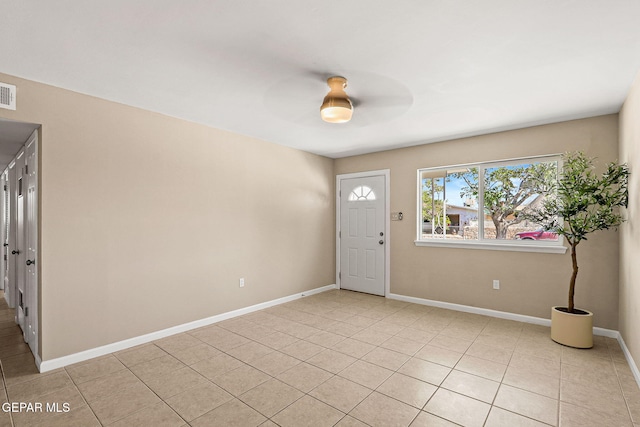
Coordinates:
(362,234)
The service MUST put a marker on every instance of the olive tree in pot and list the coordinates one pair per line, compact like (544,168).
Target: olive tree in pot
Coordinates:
(583,202)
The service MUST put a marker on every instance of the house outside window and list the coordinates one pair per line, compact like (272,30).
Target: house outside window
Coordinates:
(482,205)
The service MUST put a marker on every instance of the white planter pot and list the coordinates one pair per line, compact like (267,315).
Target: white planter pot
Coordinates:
(573,330)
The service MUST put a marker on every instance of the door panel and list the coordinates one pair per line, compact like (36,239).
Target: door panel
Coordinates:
(353,223)
(31,230)
(370,264)
(11,277)
(19,251)
(370,222)
(362,234)
(4,256)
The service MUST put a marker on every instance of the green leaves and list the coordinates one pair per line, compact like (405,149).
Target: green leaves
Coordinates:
(507,189)
(584,200)
(432,199)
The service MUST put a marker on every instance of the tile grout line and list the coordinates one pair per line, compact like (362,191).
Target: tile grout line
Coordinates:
(148,388)
(377,320)
(125,368)
(301,361)
(6,392)
(221,387)
(4,380)
(75,385)
(361,359)
(452,369)
(624,395)
(187,366)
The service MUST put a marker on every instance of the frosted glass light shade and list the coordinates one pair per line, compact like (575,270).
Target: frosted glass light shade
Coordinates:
(336,114)
(336,106)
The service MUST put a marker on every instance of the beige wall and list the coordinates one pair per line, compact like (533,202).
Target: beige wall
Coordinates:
(149,221)
(630,231)
(530,283)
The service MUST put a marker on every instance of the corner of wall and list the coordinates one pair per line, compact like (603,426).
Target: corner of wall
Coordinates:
(629,289)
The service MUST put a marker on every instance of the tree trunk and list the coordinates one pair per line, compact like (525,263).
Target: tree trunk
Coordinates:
(501,230)
(572,283)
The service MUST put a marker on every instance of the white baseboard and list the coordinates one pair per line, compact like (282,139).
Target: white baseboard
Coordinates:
(493,313)
(49,365)
(610,333)
(474,310)
(627,355)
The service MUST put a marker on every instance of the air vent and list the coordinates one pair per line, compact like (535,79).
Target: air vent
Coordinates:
(7,96)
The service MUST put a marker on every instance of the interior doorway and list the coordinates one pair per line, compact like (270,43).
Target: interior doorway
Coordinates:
(19,226)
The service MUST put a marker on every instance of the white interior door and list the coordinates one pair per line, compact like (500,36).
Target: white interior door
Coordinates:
(31,244)
(10,278)
(362,234)
(19,251)
(4,256)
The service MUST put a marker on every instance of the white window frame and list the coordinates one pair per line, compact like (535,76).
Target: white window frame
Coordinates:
(557,247)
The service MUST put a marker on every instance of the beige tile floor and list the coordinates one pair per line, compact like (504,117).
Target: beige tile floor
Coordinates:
(337,358)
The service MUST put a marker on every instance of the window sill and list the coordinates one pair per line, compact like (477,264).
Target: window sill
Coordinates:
(515,247)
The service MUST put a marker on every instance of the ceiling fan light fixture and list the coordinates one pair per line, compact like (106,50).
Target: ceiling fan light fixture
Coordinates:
(336,106)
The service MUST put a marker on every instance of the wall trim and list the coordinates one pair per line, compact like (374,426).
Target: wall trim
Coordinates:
(493,313)
(49,365)
(498,246)
(630,361)
(38,361)
(610,333)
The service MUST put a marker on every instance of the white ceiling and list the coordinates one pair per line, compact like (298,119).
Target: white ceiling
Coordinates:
(419,71)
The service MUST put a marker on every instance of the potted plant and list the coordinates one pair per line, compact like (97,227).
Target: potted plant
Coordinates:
(580,203)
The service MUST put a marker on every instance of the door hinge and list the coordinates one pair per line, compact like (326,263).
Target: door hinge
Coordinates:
(339,274)
(26,312)
(26,169)
(5,187)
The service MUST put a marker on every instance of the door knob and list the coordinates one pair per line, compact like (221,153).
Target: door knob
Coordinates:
(15,252)
(381,242)
(29,262)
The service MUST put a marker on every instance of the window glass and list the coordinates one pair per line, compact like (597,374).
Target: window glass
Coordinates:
(486,202)
(448,212)
(362,193)
(508,192)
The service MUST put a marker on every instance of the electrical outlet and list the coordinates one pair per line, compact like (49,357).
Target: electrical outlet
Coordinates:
(496,284)
(242,282)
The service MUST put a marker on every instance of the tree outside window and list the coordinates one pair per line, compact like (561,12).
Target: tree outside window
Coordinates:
(508,191)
